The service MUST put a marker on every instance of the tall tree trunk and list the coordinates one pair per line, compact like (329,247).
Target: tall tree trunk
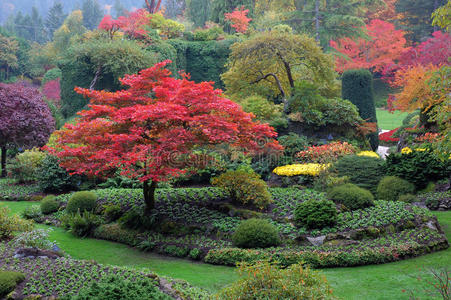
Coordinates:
(317,20)
(149,196)
(3,163)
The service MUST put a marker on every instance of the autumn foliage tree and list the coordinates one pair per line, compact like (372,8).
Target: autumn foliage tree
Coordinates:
(382,50)
(25,119)
(239,19)
(151,130)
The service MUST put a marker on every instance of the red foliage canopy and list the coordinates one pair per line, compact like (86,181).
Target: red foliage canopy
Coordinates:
(52,91)
(152,129)
(380,52)
(239,19)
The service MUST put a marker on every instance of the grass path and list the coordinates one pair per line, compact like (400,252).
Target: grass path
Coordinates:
(367,282)
(389,121)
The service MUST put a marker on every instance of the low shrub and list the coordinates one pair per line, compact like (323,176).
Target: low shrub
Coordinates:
(32,213)
(81,202)
(244,187)
(83,224)
(175,251)
(112,212)
(54,179)
(316,214)
(117,287)
(114,232)
(26,165)
(408,198)
(364,171)
(49,205)
(11,223)
(264,280)
(326,153)
(8,281)
(134,219)
(418,166)
(390,188)
(195,254)
(351,196)
(37,238)
(256,233)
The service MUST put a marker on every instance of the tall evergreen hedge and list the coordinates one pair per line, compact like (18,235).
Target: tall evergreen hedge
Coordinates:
(357,87)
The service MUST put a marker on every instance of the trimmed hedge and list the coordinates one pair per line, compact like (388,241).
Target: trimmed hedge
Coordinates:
(8,281)
(351,196)
(391,188)
(316,214)
(82,201)
(357,87)
(256,233)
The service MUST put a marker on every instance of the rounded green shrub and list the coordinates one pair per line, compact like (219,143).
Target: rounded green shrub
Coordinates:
(8,281)
(391,187)
(49,205)
(351,196)
(364,171)
(256,233)
(408,198)
(81,201)
(316,214)
(112,212)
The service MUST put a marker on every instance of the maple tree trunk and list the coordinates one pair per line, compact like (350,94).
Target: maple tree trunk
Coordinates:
(149,195)
(4,172)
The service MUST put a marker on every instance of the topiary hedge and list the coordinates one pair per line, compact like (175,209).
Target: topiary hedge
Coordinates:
(366,172)
(351,196)
(357,87)
(49,205)
(316,214)
(81,201)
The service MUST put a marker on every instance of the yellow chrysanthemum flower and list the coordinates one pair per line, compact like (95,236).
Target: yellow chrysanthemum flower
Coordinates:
(368,153)
(301,169)
(406,150)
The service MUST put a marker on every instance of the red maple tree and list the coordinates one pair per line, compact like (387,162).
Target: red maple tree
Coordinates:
(239,19)
(151,130)
(382,51)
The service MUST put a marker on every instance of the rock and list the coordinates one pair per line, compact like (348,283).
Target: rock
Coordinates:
(35,253)
(316,241)
(336,236)
(420,204)
(340,243)
(431,225)
(357,234)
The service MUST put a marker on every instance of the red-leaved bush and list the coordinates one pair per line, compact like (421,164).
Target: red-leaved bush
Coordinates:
(326,153)
(388,136)
(52,91)
(239,19)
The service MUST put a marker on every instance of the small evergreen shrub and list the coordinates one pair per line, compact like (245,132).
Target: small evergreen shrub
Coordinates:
(54,179)
(114,232)
(175,251)
(134,219)
(364,171)
(357,87)
(117,287)
(8,281)
(316,214)
(32,213)
(408,198)
(112,212)
(195,254)
(49,205)
(244,187)
(83,224)
(351,196)
(256,233)
(390,188)
(81,201)
(263,281)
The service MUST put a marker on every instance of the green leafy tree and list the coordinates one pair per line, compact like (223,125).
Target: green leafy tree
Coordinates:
(72,27)
(8,55)
(270,63)
(198,11)
(220,7)
(55,18)
(92,13)
(441,17)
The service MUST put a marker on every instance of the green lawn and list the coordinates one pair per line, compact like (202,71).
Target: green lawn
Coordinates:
(389,121)
(367,282)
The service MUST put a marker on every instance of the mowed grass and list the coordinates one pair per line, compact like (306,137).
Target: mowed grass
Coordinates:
(366,282)
(387,120)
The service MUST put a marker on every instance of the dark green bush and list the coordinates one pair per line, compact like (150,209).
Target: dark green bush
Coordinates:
(134,219)
(51,74)
(83,224)
(417,167)
(175,251)
(408,198)
(293,143)
(8,281)
(366,172)
(195,254)
(351,196)
(114,232)
(316,214)
(357,87)
(390,188)
(112,212)
(54,179)
(117,287)
(244,187)
(81,201)
(49,205)
(256,233)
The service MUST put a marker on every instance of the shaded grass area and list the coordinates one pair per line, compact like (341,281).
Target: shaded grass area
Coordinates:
(389,121)
(367,282)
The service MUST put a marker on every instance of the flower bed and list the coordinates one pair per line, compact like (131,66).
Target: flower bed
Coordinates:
(10,191)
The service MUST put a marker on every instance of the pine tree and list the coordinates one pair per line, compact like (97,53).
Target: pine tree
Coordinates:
(198,11)
(55,19)
(92,13)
